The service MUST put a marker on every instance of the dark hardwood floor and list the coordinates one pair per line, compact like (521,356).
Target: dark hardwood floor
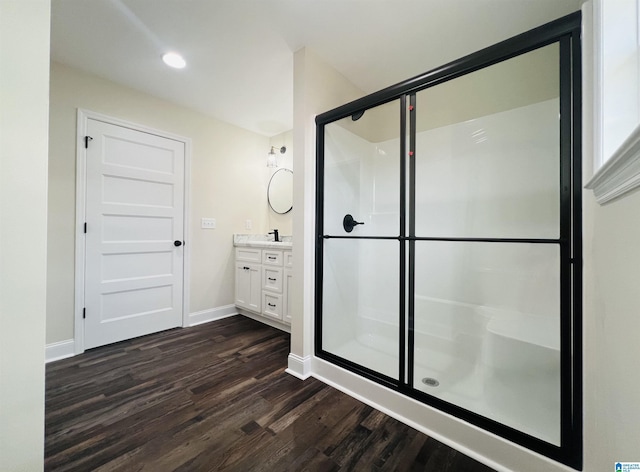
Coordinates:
(215,397)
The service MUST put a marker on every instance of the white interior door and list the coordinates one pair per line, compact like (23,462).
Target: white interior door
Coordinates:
(134,223)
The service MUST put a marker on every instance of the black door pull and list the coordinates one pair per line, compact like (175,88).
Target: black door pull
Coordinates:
(177,243)
(348,223)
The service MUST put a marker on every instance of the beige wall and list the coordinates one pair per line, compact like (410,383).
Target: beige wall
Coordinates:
(611,330)
(24,84)
(228,182)
(284,223)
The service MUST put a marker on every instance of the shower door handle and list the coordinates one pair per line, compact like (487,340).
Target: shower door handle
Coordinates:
(348,223)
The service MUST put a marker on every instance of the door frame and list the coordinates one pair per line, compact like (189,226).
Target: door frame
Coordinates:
(83,116)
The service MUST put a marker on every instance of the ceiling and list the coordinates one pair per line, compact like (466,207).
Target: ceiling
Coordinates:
(239,53)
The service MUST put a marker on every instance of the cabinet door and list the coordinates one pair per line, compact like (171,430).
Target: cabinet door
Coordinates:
(286,295)
(248,286)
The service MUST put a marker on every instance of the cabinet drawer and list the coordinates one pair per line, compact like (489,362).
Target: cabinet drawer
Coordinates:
(288,259)
(272,305)
(272,257)
(272,279)
(248,254)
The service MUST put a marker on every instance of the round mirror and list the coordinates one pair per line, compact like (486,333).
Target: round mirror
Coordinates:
(280,191)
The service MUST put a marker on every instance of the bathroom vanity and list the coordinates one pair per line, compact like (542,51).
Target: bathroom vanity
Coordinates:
(264,274)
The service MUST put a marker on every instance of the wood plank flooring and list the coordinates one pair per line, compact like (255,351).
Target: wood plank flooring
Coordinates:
(216,398)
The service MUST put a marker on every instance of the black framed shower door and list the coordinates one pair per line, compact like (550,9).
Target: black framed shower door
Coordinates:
(448,239)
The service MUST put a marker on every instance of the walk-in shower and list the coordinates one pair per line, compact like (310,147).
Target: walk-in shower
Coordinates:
(448,256)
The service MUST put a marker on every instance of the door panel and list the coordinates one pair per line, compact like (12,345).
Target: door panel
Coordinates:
(132,266)
(361,287)
(134,190)
(488,154)
(487,312)
(134,213)
(136,228)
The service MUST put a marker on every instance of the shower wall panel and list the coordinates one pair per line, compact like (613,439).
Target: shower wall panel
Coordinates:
(494,176)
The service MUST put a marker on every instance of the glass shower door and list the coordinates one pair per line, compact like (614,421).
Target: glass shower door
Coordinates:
(361,206)
(486,242)
(449,239)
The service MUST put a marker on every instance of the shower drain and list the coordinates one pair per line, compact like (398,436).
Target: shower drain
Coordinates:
(431,382)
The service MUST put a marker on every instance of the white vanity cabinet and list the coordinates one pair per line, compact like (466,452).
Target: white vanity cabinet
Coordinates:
(263,281)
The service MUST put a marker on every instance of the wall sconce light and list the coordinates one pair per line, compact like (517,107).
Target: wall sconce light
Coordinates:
(272,160)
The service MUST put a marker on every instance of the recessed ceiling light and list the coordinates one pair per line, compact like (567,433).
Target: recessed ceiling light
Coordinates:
(173,59)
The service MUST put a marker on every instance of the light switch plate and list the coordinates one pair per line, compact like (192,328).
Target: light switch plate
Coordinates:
(208,223)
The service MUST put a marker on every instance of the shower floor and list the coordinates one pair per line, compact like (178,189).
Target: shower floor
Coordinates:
(462,383)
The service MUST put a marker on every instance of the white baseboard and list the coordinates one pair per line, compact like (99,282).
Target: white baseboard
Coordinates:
(59,350)
(299,366)
(213,314)
(64,349)
(265,320)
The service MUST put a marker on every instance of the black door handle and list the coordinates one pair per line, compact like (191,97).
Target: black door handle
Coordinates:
(348,223)
(177,243)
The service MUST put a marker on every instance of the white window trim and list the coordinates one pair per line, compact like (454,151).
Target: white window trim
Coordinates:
(620,173)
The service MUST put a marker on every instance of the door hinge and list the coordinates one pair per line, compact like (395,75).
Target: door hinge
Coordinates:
(85,227)
(84,313)
(86,141)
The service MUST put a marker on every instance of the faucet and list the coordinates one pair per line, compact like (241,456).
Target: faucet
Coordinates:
(276,237)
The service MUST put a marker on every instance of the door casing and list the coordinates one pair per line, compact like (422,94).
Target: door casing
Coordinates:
(83,116)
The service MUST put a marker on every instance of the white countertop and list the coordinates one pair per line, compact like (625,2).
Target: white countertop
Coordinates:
(262,241)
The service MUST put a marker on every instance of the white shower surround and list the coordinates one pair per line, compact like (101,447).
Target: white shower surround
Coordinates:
(487,331)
